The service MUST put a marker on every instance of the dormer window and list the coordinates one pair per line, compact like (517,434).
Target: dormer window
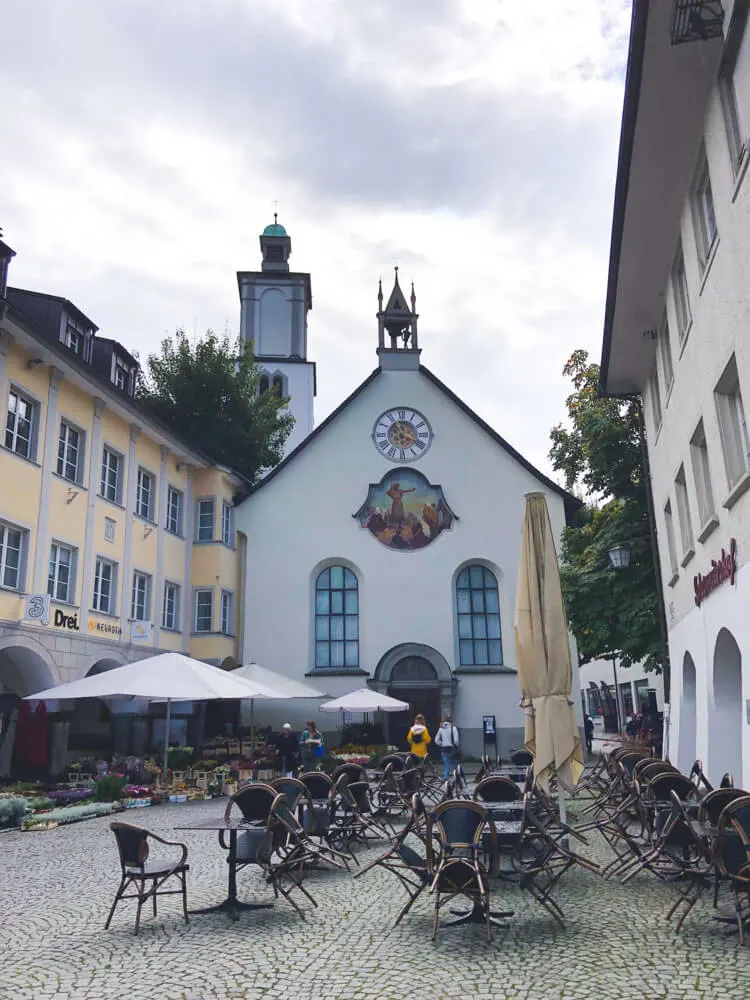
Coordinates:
(122,375)
(74,340)
(278,385)
(263,384)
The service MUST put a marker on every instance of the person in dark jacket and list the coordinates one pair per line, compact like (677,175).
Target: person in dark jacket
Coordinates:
(287,746)
(588,726)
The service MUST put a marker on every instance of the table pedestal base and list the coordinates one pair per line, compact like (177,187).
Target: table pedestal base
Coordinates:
(477,915)
(233,907)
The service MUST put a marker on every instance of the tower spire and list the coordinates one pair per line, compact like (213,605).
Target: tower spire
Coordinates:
(399,323)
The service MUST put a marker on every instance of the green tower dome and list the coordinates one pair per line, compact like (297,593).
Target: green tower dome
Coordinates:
(274,230)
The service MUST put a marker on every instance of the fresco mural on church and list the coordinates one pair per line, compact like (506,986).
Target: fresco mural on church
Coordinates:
(405,511)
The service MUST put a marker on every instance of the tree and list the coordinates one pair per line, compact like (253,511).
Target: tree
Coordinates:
(610,612)
(207,393)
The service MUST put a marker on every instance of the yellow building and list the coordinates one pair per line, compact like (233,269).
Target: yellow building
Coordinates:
(128,530)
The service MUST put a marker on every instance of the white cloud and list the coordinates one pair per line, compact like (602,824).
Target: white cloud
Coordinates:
(472,141)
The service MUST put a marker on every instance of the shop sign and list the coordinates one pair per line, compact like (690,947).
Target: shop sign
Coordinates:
(61,620)
(104,628)
(36,608)
(722,569)
(140,631)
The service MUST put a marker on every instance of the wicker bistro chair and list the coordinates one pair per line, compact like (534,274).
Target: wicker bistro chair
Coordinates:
(497,788)
(732,855)
(464,863)
(672,846)
(406,861)
(318,818)
(146,877)
(522,757)
(699,875)
(360,820)
(353,772)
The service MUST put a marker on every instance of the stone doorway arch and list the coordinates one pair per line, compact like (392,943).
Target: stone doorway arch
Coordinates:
(725,722)
(420,675)
(688,721)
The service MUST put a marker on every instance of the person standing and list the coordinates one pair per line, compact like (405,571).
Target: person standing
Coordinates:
(311,743)
(447,739)
(588,726)
(287,746)
(418,737)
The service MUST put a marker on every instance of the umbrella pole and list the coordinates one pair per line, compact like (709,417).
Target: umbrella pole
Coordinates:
(252,723)
(166,737)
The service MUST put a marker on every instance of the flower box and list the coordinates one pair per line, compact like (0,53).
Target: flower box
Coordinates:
(136,803)
(177,798)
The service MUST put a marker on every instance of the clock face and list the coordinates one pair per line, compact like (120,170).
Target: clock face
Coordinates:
(402,434)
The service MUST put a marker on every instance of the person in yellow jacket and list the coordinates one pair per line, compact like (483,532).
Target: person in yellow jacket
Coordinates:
(418,737)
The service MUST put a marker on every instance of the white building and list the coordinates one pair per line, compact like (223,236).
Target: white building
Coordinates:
(676,331)
(274,306)
(384,549)
(598,679)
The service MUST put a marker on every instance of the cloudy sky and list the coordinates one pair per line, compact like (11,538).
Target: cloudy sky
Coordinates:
(473,142)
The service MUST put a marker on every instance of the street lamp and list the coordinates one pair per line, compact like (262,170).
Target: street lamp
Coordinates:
(619,556)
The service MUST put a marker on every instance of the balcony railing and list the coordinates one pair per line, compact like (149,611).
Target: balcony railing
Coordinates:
(696,20)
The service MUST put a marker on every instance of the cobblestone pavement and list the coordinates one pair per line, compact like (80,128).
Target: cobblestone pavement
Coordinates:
(56,888)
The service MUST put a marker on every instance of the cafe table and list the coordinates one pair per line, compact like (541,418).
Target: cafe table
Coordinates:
(231,905)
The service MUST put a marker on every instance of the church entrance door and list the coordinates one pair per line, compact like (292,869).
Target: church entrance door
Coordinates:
(413,679)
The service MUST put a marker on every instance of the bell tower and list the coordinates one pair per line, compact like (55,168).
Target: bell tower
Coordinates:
(274,303)
(398,324)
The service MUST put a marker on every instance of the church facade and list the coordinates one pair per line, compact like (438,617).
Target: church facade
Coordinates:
(383,551)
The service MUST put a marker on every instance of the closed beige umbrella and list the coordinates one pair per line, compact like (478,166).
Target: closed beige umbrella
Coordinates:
(543,653)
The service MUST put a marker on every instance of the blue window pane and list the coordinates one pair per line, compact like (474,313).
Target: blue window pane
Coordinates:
(477,600)
(321,655)
(480,652)
(463,600)
(337,626)
(350,580)
(322,602)
(493,627)
(337,602)
(489,580)
(466,652)
(491,603)
(337,577)
(337,654)
(351,627)
(324,582)
(352,654)
(479,625)
(496,651)
(477,579)
(463,579)
(464,626)
(351,602)
(321,627)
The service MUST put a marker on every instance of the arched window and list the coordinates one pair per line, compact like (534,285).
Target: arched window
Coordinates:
(336,618)
(478,608)
(263,383)
(278,385)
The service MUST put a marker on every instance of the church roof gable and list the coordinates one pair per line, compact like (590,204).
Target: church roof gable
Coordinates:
(572,504)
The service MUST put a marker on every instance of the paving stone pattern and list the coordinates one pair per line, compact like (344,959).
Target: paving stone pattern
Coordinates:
(56,888)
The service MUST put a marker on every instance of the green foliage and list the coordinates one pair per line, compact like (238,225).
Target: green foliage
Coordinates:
(69,814)
(109,787)
(39,803)
(12,809)
(609,611)
(207,393)
(178,758)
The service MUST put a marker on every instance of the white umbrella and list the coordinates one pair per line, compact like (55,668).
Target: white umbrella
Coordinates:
(166,677)
(365,700)
(281,686)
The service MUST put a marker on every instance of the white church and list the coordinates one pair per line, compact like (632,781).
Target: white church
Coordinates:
(384,549)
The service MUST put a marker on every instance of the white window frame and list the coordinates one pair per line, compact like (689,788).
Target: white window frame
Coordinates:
(21,396)
(63,448)
(665,351)
(140,597)
(702,475)
(174,524)
(655,393)
(71,334)
(104,482)
(732,424)
(736,141)
(227,613)
(56,550)
(96,594)
(671,543)
(198,527)
(705,221)
(121,368)
(683,515)
(196,601)
(174,589)
(145,510)
(227,524)
(681,295)
(20,569)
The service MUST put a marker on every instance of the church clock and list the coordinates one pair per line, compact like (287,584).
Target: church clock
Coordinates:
(402,434)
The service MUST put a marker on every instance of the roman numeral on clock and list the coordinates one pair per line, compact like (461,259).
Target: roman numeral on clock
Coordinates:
(402,414)
(419,444)
(391,452)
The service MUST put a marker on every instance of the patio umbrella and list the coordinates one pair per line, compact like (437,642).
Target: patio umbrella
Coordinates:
(281,686)
(545,672)
(166,677)
(365,700)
